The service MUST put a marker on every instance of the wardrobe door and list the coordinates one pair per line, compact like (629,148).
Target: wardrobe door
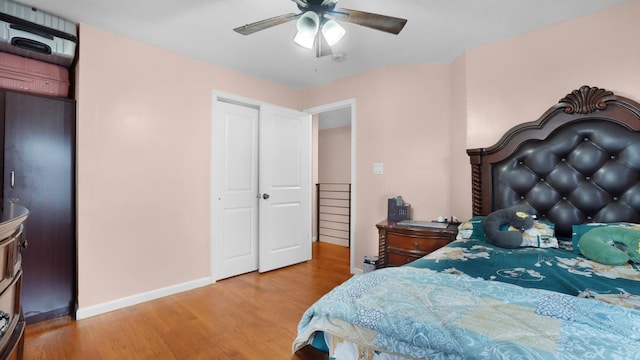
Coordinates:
(39,166)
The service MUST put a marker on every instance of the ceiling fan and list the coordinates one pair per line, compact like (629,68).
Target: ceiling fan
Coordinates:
(317,25)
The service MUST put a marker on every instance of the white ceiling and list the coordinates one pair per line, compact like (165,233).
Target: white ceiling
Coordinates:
(437,31)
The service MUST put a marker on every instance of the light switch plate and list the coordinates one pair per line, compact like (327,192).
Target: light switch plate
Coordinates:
(378,168)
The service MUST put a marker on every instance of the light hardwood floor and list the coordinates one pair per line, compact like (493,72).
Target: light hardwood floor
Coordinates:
(251,316)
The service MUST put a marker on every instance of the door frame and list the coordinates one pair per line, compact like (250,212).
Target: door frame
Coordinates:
(352,233)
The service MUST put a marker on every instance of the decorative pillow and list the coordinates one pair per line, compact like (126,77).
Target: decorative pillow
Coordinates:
(613,245)
(510,218)
(578,230)
(472,229)
(542,234)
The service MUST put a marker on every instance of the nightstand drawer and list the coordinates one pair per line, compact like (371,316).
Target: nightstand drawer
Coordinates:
(409,243)
(398,245)
(400,259)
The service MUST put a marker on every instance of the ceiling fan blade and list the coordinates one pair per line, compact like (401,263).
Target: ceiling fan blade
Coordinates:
(301,3)
(265,24)
(384,23)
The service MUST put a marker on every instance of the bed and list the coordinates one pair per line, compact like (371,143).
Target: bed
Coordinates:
(575,168)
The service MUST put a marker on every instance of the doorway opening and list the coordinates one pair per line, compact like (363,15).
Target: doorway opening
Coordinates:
(334,164)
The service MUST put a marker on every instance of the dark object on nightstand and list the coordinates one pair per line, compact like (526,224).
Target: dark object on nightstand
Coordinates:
(397,209)
(400,245)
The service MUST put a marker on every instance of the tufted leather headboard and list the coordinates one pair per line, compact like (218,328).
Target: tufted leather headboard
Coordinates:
(579,162)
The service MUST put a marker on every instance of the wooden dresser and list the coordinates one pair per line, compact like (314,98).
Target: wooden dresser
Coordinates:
(12,241)
(399,245)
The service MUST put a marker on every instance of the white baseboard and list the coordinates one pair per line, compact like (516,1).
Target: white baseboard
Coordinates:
(89,311)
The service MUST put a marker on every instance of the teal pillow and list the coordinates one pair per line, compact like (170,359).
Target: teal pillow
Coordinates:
(614,245)
(578,230)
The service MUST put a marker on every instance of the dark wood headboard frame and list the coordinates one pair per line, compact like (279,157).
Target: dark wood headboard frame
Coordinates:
(582,104)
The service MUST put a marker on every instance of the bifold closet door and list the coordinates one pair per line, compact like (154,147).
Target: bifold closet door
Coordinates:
(39,174)
(234,183)
(285,187)
(260,188)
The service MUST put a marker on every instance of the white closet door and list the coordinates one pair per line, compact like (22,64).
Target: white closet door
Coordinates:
(285,187)
(234,179)
(261,189)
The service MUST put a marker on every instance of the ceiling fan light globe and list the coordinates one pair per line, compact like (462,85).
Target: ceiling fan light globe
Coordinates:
(332,32)
(304,40)
(308,23)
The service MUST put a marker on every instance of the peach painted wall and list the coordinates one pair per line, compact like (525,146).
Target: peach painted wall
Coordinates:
(144,161)
(403,121)
(600,50)
(460,169)
(334,156)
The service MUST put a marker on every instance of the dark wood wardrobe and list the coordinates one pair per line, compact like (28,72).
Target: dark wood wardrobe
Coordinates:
(39,174)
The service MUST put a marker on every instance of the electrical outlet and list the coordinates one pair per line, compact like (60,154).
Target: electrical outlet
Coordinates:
(378,168)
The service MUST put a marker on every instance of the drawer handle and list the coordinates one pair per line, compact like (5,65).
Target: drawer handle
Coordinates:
(23,244)
(416,244)
(4,318)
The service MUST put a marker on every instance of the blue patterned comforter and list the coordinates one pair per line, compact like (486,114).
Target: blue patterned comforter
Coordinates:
(559,270)
(408,312)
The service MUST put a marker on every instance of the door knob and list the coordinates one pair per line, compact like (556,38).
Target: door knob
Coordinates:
(265,196)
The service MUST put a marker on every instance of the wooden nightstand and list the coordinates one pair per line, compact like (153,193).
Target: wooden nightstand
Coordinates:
(399,245)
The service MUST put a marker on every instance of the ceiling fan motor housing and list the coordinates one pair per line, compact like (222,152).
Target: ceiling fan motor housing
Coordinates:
(317,6)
